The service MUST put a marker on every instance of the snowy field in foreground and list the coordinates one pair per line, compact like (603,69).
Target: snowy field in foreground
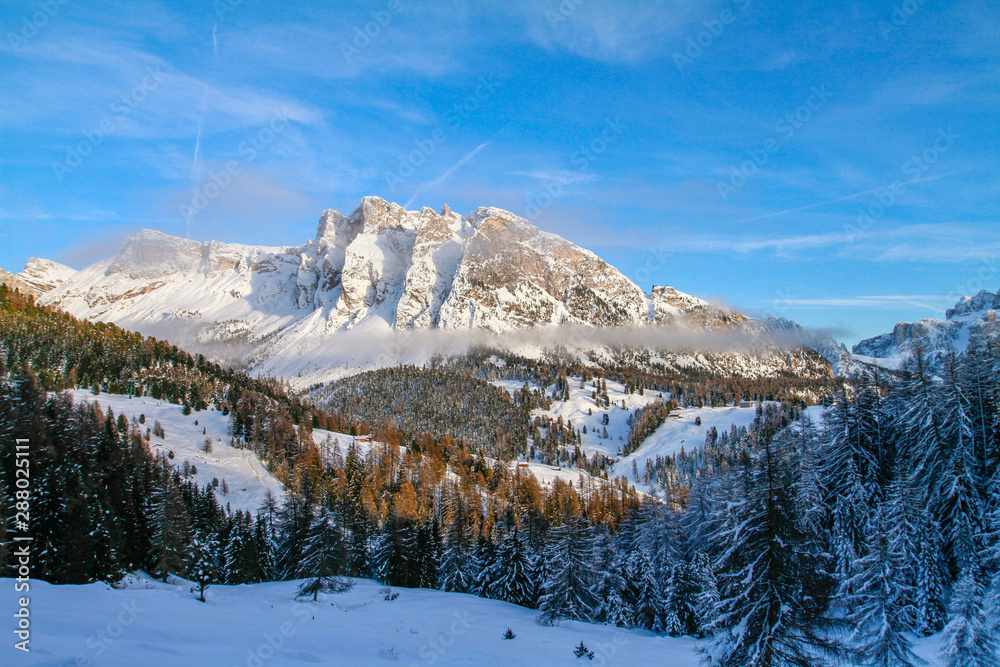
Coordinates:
(150,624)
(262,625)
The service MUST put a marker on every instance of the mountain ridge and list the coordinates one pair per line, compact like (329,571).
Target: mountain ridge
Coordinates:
(971,316)
(380,270)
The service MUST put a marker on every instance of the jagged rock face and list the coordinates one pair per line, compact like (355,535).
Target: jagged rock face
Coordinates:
(492,270)
(513,276)
(975,306)
(437,251)
(381,269)
(971,316)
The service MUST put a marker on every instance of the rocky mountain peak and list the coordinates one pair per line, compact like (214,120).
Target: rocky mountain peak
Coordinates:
(972,316)
(376,214)
(974,305)
(153,254)
(44,275)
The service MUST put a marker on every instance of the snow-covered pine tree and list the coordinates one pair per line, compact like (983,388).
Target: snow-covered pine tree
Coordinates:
(676,606)
(567,591)
(324,558)
(204,568)
(900,517)
(512,580)
(264,550)
(969,639)
(242,554)
(959,489)
(427,555)
(171,530)
(981,386)
(457,571)
(811,506)
(931,579)
(232,557)
(848,473)
(393,556)
(761,618)
(485,560)
(294,521)
(610,583)
(880,612)
(708,593)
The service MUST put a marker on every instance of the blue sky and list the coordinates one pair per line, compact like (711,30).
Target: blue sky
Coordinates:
(834,163)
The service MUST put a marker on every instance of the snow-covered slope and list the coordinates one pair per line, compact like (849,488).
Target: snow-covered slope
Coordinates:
(681,430)
(976,315)
(245,477)
(309,312)
(149,624)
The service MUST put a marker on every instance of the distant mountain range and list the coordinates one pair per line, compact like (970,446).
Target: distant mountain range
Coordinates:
(320,310)
(971,316)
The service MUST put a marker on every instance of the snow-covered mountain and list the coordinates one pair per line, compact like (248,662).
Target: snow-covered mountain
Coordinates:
(315,311)
(971,316)
(39,276)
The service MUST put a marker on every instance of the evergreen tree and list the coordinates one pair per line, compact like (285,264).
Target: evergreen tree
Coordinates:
(648,611)
(881,613)
(761,618)
(960,489)
(567,592)
(458,573)
(708,593)
(512,580)
(171,526)
(427,555)
(486,566)
(969,639)
(610,585)
(324,558)
(393,560)
(204,569)
(931,578)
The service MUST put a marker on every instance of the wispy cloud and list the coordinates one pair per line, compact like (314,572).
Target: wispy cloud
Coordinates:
(563,177)
(931,302)
(855,195)
(611,32)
